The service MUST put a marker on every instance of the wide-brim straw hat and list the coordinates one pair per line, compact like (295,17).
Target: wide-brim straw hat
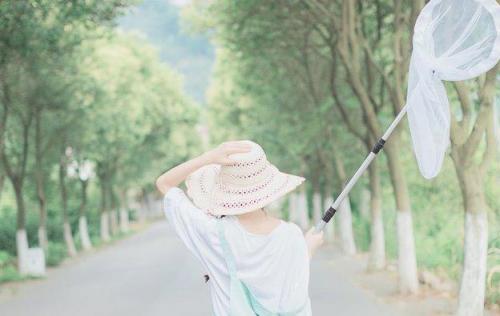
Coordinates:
(251,183)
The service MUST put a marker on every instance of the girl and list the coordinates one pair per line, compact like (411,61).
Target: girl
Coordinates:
(257,264)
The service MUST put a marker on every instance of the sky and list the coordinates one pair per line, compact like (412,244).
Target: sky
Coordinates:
(190,55)
(179,3)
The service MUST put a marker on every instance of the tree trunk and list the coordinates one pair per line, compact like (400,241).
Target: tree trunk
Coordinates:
(465,150)
(496,124)
(43,240)
(68,236)
(365,205)
(376,260)
(42,224)
(317,207)
(345,227)
(292,212)
(472,285)
(124,220)
(346,232)
(113,213)
(407,260)
(82,220)
(21,236)
(21,210)
(330,226)
(84,233)
(22,249)
(349,49)
(2,183)
(104,227)
(113,220)
(68,239)
(302,211)
(16,175)
(39,177)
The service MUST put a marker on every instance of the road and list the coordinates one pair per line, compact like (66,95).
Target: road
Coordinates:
(151,273)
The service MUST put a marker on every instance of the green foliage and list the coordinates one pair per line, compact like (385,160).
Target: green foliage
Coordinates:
(279,79)
(8,271)
(5,258)
(493,276)
(56,254)
(361,228)
(75,89)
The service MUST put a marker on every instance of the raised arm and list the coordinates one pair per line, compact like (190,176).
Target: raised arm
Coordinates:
(219,155)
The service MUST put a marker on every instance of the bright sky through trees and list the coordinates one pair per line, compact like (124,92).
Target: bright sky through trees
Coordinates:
(191,55)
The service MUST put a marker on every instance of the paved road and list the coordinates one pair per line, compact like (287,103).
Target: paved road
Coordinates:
(152,274)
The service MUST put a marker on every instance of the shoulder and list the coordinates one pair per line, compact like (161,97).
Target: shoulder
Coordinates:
(174,193)
(176,197)
(293,229)
(175,200)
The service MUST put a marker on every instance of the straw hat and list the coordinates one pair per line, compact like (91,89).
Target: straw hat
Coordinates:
(247,185)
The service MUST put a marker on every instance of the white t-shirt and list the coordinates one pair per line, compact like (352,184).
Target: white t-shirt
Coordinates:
(275,267)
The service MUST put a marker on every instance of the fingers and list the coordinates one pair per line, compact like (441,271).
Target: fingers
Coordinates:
(238,150)
(312,231)
(227,162)
(237,147)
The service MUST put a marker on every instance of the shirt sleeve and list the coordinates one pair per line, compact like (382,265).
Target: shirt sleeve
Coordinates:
(191,224)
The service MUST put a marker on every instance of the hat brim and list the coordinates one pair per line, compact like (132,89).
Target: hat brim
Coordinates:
(208,195)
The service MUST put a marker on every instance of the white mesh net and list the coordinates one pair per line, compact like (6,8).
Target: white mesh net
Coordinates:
(454,40)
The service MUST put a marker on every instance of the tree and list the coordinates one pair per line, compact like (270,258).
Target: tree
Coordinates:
(40,29)
(472,160)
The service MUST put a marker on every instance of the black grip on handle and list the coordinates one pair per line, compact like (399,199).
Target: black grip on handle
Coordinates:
(329,214)
(378,146)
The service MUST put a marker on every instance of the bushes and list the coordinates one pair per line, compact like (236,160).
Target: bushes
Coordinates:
(8,231)
(493,277)
(56,254)
(8,270)
(361,227)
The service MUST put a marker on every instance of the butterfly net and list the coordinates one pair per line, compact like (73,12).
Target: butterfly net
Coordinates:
(453,40)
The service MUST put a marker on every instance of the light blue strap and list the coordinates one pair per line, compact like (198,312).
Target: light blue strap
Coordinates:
(226,251)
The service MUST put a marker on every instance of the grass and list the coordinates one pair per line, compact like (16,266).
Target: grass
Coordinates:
(8,271)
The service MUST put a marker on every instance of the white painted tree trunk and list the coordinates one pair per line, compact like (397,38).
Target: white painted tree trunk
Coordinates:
(376,260)
(407,265)
(22,249)
(275,207)
(364,205)
(84,233)
(472,286)
(317,207)
(292,208)
(68,239)
(105,226)
(345,227)
(124,221)
(43,241)
(496,124)
(113,219)
(330,227)
(302,211)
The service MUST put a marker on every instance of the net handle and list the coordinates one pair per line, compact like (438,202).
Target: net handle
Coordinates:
(327,216)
